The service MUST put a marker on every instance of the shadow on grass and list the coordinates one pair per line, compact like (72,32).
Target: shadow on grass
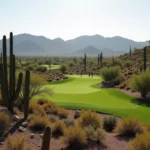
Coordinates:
(142,101)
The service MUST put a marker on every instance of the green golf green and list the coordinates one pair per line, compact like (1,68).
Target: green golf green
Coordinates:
(83,93)
(52,66)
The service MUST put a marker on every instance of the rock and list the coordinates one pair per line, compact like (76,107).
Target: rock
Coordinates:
(77,114)
(1,143)
(32,136)
(41,135)
(15,118)
(21,129)
(24,124)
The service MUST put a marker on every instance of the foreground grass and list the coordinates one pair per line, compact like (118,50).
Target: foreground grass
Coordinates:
(82,93)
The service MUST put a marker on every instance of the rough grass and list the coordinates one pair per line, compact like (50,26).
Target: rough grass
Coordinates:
(52,66)
(17,143)
(82,93)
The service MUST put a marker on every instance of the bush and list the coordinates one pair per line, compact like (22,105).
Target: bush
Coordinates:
(50,107)
(39,123)
(17,143)
(129,127)
(69,122)
(109,123)
(111,74)
(36,109)
(63,113)
(63,69)
(58,128)
(141,142)
(127,63)
(94,135)
(148,126)
(141,83)
(52,118)
(90,118)
(41,69)
(74,137)
(4,122)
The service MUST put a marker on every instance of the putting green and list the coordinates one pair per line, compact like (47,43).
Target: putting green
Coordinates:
(52,66)
(82,93)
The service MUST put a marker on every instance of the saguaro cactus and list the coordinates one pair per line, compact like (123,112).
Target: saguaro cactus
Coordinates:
(26,95)
(10,94)
(130,52)
(101,60)
(98,61)
(46,138)
(84,62)
(145,59)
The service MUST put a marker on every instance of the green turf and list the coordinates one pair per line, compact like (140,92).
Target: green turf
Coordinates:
(82,93)
(52,66)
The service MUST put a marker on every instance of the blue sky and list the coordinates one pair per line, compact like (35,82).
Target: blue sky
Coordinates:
(68,19)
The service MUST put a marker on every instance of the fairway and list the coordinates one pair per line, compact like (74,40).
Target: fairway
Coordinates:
(83,93)
(52,66)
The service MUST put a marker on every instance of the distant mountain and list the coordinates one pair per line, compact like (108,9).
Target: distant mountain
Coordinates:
(27,44)
(93,51)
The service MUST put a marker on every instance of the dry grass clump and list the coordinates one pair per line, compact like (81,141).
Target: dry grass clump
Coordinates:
(50,107)
(42,101)
(39,123)
(148,126)
(17,143)
(58,128)
(69,122)
(140,142)
(88,118)
(4,122)
(52,118)
(129,127)
(36,109)
(63,113)
(74,137)
(16,111)
(95,135)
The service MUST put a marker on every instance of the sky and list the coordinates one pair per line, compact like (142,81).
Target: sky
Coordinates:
(69,19)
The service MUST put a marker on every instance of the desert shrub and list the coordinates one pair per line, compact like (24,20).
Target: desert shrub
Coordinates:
(141,83)
(39,123)
(95,135)
(71,64)
(42,101)
(129,127)
(52,118)
(4,122)
(58,128)
(69,122)
(127,63)
(90,118)
(74,137)
(63,69)
(148,126)
(117,62)
(50,108)
(40,68)
(36,109)
(109,123)
(111,74)
(30,67)
(17,143)
(16,111)
(63,113)
(141,142)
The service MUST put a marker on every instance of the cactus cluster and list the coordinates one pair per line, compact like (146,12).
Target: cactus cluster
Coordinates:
(84,62)
(46,138)
(10,91)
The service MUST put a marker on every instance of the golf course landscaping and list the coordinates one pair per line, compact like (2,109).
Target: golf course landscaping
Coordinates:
(52,66)
(84,93)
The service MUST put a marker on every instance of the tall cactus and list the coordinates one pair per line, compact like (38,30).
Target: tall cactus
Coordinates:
(84,62)
(98,62)
(113,60)
(101,60)
(10,94)
(46,138)
(145,59)
(50,64)
(130,52)
(26,95)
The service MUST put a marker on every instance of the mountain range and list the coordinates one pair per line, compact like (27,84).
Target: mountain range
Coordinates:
(27,44)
